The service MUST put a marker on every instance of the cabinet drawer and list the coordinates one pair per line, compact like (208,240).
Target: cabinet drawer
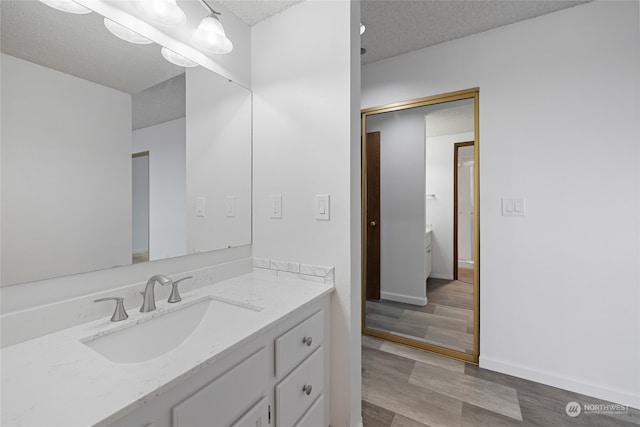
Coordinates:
(314,416)
(226,398)
(293,346)
(257,416)
(291,399)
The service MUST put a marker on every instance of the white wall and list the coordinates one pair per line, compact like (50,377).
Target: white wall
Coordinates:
(166,144)
(306,142)
(57,127)
(218,161)
(402,217)
(559,110)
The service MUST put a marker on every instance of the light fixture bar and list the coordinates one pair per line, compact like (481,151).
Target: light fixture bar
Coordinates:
(68,6)
(125,33)
(209,8)
(210,34)
(163,12)
(176,58)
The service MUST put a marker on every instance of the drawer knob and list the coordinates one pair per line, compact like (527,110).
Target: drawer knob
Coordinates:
(307,341)
(307,389)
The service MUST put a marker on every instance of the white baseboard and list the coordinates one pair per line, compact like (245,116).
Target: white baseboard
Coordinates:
(441,276)
(598,391)
(407,299)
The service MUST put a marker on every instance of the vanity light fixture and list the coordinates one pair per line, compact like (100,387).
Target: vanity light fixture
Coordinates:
(210,34)
(125,33)
(69,6)
(163,12)
(176,58)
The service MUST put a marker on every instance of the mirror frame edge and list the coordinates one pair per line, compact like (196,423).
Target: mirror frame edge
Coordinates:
(472,93)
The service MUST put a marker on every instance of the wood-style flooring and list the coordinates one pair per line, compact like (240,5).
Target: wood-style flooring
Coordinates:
(407,387)
(446,320)
(465,274)
(140,257)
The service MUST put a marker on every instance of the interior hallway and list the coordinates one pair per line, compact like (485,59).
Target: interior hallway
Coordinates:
(407,387)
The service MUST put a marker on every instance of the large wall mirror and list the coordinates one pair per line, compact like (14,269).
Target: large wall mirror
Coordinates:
(420,223)
(110,154)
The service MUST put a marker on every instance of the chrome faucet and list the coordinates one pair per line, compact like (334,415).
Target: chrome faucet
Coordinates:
(149,298)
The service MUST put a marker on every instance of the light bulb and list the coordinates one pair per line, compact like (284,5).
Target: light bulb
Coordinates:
(69,6)
(164,12)
(176,58)
(125,33)
(362,28)
(211,37)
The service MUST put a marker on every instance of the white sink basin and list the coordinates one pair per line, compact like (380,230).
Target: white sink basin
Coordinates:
(156,335)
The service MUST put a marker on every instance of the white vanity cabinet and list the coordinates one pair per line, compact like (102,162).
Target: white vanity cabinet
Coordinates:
(276,378)
(299,365)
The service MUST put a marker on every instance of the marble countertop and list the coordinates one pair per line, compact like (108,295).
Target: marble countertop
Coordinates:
(56,380)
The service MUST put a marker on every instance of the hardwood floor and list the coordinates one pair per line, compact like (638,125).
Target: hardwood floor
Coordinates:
(140,257)
(465,274)
(407,387)
(446,320)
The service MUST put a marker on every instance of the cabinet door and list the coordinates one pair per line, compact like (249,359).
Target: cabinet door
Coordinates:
(296,393)
(299,342)
(257,416)
(226,398)
(314,416)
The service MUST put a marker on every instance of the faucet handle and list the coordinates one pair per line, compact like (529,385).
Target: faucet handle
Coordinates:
(119,313)
(175,294)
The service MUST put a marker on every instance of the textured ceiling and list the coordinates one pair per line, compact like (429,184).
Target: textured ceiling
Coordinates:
(80,44)
(400,26)
(395,27)
(254,11)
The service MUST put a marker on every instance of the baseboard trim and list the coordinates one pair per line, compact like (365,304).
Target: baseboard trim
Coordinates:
(572,384)
(441,276)
(407,299)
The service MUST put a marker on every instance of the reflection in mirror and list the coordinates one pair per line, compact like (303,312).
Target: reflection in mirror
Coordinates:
(419,225)
(78,107)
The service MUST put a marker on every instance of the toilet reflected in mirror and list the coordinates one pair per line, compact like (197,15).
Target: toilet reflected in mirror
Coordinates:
(420,223)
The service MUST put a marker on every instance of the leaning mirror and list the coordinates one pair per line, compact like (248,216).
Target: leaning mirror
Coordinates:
(111,155)
(420,223)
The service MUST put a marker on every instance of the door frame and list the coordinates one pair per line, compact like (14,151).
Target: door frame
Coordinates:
(456,146)
(473,93)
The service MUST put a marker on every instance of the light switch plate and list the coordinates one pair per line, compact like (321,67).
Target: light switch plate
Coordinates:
(322,207)
(230,206)
(276,206)
(200,206)
(513,207)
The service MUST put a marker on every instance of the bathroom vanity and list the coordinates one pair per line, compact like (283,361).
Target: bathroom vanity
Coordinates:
(248,351)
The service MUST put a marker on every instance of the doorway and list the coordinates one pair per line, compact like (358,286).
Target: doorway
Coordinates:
(463,189)
(140,207)
(412,292)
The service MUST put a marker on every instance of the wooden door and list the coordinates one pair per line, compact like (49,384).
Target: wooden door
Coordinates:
(372,250)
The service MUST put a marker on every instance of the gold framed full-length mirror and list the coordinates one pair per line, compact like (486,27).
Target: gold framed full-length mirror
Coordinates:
(420,223)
